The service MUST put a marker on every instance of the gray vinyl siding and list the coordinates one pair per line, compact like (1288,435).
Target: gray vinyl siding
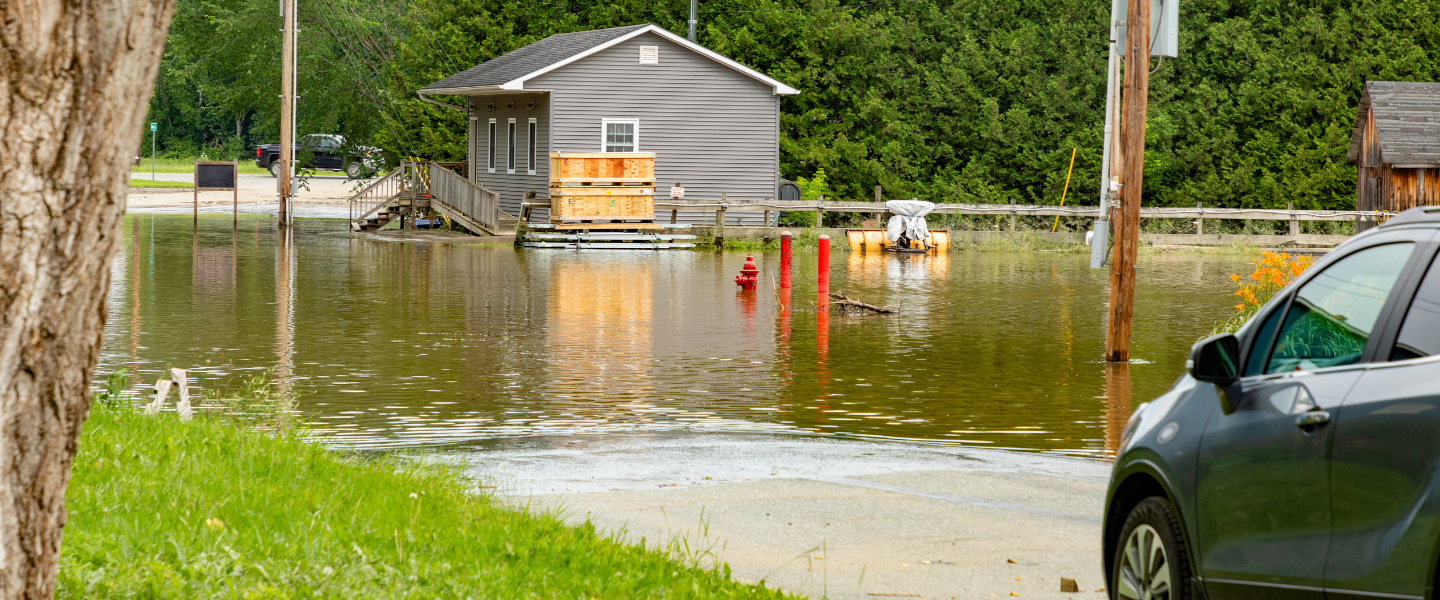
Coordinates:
(511,187)
(712,128)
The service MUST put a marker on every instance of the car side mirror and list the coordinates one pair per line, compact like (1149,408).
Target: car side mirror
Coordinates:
(1216,360)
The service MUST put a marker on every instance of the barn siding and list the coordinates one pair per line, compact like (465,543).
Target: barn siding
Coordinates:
(511,188)
(713,129)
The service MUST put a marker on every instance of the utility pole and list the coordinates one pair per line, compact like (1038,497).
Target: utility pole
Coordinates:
(1100,241)
(1132,147)
(693,4)
(287,108)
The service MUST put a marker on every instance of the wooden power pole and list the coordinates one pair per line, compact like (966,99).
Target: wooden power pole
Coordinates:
(287,109)
(1132,156)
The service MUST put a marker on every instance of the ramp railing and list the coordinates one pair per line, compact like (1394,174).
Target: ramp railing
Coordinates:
(463,200)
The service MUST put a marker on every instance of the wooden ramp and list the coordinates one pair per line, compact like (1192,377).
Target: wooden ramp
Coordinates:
(414,186)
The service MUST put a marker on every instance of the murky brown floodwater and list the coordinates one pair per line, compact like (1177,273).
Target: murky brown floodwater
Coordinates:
(411,344)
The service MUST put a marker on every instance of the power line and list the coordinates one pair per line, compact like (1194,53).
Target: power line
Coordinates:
(435,38)
(405,144)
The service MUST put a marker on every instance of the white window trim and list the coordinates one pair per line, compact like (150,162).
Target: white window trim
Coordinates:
(510,149)
(605,126)
(490,146)
(532,131)
(474,150)
(655,53)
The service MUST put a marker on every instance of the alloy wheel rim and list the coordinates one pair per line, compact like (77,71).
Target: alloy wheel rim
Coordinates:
(1144,566)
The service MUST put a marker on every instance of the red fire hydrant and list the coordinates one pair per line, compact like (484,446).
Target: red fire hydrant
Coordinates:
(749,274)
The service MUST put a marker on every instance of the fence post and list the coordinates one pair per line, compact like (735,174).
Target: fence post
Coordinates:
(1012,218)
(1200,222)
(819,212)
(1294,221)
(720,221)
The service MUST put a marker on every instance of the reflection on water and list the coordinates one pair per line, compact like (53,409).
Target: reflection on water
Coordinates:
(395,344)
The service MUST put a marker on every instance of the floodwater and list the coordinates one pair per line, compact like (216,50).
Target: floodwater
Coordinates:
(404,344)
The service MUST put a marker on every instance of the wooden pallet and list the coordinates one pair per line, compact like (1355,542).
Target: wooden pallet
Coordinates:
(601,224)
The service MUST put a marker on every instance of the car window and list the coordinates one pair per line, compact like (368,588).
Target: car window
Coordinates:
(1260,347)
(1420,335)
(1332,315)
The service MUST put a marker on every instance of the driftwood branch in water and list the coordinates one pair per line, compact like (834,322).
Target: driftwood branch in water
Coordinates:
(844,302)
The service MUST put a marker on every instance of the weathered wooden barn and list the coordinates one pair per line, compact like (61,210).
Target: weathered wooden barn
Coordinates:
(713,123)
(1396,146)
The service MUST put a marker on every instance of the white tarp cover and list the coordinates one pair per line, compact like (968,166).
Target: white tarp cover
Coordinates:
(909,219)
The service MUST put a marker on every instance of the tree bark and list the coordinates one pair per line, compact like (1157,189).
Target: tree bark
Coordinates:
(75,82)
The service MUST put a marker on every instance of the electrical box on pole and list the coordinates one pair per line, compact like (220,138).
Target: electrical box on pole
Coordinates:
(1164,26)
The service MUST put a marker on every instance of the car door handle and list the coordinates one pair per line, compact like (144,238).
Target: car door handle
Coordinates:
(1314,418)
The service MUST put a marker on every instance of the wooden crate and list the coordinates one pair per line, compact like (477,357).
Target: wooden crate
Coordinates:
(623,203)
(589,168)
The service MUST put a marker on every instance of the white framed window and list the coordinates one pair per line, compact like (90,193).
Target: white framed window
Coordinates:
(490,140)
(534,131)
(619,135)
(510,147)
(649,55)
(472,143)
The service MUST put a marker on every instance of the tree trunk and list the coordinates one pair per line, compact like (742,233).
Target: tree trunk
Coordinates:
(75,81)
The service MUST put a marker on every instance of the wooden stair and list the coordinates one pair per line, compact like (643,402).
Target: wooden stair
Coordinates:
(399,205)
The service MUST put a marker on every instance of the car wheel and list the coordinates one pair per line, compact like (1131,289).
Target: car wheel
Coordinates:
(275,169)
(1150,560)
(354,170)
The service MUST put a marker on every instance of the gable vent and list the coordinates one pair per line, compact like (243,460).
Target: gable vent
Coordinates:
(649,55)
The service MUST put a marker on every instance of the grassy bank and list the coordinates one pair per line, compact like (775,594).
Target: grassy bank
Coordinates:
(146,183)
(187,165)
(230,507)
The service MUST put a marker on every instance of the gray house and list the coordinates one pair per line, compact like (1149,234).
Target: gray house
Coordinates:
(713,123)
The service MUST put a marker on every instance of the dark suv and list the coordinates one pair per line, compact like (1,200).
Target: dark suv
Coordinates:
(1300,457)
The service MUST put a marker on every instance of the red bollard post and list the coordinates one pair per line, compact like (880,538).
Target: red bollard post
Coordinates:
(784,260)
(823,280)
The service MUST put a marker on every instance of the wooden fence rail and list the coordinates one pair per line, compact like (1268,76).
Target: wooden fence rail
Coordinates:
(1022,210)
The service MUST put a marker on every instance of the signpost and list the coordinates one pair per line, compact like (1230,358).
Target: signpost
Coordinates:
(218,176)
(152,151)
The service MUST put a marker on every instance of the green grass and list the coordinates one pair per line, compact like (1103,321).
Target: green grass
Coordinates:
(232,507)
(187,165)
(146,183)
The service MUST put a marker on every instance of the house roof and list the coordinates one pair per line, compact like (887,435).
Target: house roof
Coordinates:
(1407,122)
(511,70)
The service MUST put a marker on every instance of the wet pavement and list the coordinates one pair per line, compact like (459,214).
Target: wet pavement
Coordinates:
(829,518)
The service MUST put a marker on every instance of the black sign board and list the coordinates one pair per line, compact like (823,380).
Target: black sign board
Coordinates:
(212,175)
(215,176)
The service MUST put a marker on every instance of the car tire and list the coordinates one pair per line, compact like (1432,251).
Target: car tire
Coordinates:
(1150,559)
(275,169)
(354,170)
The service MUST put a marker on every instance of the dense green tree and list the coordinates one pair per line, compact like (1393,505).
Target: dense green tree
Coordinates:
(953,100)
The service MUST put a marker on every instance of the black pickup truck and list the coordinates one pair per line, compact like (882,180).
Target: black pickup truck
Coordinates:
(327,152)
